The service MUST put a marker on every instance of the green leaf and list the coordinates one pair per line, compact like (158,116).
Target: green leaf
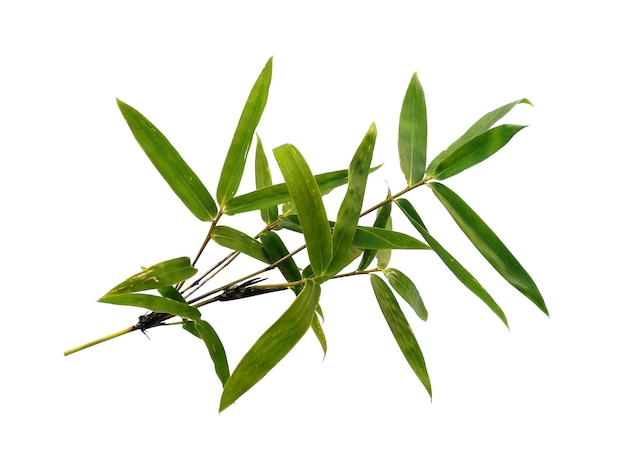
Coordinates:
(407,290)
(489,245)
(205,332)
(413,132)
(275,249)
(350,209)
(382,216)
(401,330)
(472,152)
(457,269)
(154,303)
(308,200)
(273,345)
(316,326)
(235,240)
(384,256)
(170,164)
(263,179)
(238,151)
(162,274)
(373,238)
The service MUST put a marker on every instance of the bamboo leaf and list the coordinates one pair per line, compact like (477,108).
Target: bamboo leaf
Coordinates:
(159,275)
(384,256)
(174,170)
(407,290)
(401,330)
(350,209)
(316,326)
(308,200)
(472,152)
(154,303)
(206,333)
(235,240)
(274,250)
(263,179)
(413,132)
(489,245)
(235,162)
(373,238)
(382,216)
(273,345)
(453,265)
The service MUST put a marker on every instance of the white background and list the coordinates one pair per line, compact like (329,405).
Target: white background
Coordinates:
(82,209)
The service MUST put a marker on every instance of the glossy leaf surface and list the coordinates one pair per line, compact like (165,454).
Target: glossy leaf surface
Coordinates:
(413,132)
(405,287)
(263,178)
(154,303)
(206,333)
(174,170)
(238,241)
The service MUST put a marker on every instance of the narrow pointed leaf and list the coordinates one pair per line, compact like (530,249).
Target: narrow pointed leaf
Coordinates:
(384,256)
(238,151)
(489,245)
(413,132)
(206,333)
(401,330)
(316,326)
(472,152)
(174,170)
(273,345)
(374,238)
(407,290)
(382,216)
(453,265)
(162,274)
(308,200)
(263,179)
(274,250)
(154,303)
(238,241)
(350,209)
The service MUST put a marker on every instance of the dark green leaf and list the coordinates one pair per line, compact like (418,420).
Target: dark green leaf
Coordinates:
(154,303)
(384,256)
(407,290)
(238,151)
(170,292)
(472,152)
(308,200)
(401,330)
(382,216)
(263,179)
(275,250)
(273,345)
(488,243)
(413,132)
(205,332)
(457,269)
(162,274)
(374,238)
(170,164)
(238,241)
(350,209)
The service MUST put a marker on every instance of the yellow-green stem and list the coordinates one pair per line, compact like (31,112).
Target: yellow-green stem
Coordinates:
(98,341)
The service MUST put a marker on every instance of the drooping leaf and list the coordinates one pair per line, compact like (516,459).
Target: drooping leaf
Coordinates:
(472,152)
(263,179)
(206,333)
(308,200)
(274,250)
(457,269)
(374,238)
(273,345)
(401,330)
(236,240)
(316,326)
(384,256)
(382,216)
(238,151)
(154,303)
(174,170)
(350,209)
(162,274)
(488,243)
(413,133)
(404,286)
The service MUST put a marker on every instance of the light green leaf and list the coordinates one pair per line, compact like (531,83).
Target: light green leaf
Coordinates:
(308,200)
(373,238)
(263,179)
(382,216)
(350,209)
(401,330)
(472,152)
(489,245)
(238,151)
(384,256)
(154,303)
(316,326)
(407,290)
(275,249)
(170,164)
(238,241)
(413,132)
(273,345)
(162,274)
(205,332)
(457,269)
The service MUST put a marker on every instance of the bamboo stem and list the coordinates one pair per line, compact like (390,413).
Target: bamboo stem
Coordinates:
(100,340)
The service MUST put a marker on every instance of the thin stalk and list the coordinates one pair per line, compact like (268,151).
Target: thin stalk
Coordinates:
(100,340)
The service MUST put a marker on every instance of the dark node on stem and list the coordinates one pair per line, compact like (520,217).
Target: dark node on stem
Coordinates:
(152,319)
(245,290)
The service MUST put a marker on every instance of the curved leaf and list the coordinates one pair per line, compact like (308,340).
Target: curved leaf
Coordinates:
(382,216)
(263,178)
(170,164)
(374,238)
(316,326)
(275,249)
(401,330)
(488,243)
(206,333)
(238,151)
(453,265)
(413,132)
(154,303)
(308,200)
(407,290)
(238,241)
(273,345)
